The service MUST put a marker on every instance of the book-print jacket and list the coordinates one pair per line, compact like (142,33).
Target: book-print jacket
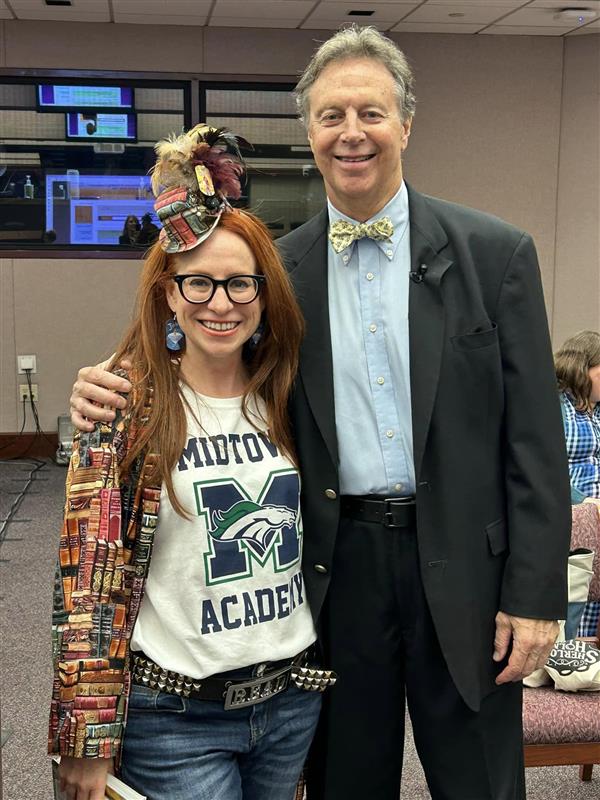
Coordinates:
(104,556)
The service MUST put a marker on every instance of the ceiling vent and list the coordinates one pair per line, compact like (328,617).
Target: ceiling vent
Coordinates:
(58,2)
(358,13)
(575,16)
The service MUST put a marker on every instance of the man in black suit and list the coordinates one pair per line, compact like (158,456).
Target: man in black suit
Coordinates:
(435,491)
(448,594)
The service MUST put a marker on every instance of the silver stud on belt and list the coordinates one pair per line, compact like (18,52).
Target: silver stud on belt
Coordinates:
(236,694)
(313,680)
(150,674)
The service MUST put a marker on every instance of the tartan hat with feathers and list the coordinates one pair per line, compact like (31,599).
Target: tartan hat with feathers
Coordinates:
(195,175)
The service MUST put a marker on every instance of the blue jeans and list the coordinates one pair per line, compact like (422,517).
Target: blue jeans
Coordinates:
(178,749)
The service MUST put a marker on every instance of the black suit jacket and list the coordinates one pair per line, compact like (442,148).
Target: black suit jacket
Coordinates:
(493,502)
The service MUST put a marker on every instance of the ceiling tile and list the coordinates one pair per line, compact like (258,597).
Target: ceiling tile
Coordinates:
(593,27)
(525,30)
(157,19)
(336,9)
(502,3)
(434,27)
(537,17)
(263,10)
(251,22)
(333,25)
(359,4)
(593,4)
(176,12)
(4,12)
(470,14)
(80,11)
(334,14)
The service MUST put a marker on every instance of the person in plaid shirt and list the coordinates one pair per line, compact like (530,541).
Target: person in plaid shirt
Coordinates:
(578,372)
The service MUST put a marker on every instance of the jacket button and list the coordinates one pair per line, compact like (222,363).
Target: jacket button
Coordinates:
(320,568)
(331,494)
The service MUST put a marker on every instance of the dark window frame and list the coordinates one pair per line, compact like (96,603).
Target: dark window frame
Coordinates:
(194,85)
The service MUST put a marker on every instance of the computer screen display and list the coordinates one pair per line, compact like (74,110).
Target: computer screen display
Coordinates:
(86,209)
(52,97)
(101,127)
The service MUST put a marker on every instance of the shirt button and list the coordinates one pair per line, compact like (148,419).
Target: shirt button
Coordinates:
(370,276)
(321,568)
(398,487)
(389,253)
(380,381)
(345,259)
(330,494)
(373,327)
(389,433)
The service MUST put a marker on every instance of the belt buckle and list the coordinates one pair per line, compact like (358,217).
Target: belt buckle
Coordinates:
(388,517)
(249,693)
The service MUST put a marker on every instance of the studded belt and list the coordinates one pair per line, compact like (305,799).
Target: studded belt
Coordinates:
(271,680)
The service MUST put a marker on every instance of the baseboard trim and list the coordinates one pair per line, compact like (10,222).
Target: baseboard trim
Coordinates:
(15,445)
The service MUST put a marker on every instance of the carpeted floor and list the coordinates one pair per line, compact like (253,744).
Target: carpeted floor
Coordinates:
(27,556)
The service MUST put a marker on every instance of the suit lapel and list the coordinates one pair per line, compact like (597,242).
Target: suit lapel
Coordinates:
(309,276)
(426,317)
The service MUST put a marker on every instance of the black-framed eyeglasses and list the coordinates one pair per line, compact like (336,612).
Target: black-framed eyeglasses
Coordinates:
(200,288)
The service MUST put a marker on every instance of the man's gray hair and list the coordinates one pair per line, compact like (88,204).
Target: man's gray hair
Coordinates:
(358,42)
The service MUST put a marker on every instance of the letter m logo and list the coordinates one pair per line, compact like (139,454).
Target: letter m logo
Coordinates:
(244,531)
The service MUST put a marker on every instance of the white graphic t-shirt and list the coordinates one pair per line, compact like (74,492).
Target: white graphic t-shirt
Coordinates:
(225,588)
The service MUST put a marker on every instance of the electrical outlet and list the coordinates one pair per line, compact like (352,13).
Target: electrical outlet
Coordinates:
(26,364)
(24,392)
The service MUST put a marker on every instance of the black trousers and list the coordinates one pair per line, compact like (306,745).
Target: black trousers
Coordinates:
(378,635)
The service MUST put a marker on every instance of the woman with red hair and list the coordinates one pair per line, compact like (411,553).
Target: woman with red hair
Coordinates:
(182,634)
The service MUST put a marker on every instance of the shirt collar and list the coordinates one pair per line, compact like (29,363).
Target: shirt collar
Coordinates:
(396,209)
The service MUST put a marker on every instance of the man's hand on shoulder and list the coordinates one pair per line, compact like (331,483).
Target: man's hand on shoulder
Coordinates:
(532,640)
(95,388)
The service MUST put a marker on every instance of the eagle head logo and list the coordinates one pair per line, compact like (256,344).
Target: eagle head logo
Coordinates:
(255,525)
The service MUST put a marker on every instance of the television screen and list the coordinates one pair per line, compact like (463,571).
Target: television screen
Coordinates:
(58,98)
(94,209)
(101,127)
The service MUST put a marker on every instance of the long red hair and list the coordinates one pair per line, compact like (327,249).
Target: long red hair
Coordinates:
(272,366)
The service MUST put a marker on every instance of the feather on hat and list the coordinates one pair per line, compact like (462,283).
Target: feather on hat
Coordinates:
(195,175)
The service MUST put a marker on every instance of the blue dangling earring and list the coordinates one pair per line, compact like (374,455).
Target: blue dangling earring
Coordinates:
(175,337)
(254,340)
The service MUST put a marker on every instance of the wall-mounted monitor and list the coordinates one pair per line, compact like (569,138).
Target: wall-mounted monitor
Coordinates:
(101,127)
(86,209)
(54,97)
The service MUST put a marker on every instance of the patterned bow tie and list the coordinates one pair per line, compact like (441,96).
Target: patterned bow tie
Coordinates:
(343,233)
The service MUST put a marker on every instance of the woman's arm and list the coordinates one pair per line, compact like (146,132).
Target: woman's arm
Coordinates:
(90,606)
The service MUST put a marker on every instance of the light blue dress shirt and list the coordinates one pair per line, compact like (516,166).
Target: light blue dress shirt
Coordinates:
(368,313)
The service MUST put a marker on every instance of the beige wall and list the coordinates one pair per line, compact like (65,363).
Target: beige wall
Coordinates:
(505,124)
(577,278)
(45,311)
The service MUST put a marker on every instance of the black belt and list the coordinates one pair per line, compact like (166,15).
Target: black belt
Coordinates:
(234,692)
(391,512)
